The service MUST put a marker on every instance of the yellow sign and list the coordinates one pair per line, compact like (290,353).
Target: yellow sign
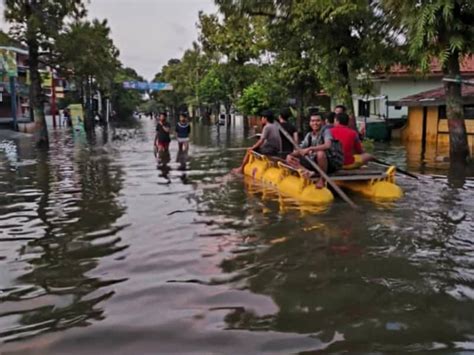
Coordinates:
(8,62)
(46,79)
(77,116)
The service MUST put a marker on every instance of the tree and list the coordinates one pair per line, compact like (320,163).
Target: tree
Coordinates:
(37,23)
(339,40)
(185,75)
(442,29)
(215,88)
(236,41)
(125,101)
(87,55)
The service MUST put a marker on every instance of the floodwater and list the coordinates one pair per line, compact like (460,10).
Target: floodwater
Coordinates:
(103,252)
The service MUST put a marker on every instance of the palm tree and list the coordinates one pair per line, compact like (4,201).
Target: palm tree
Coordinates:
(442,29)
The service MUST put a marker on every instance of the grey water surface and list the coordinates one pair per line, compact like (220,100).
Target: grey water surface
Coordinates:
(101,251)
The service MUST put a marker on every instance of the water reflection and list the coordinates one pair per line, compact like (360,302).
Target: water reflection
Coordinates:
(215,262)
(70,198)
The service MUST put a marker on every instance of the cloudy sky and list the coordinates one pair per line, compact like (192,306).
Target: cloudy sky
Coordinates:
(149,32)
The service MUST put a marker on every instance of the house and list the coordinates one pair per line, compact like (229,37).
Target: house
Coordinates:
(400,82)
(21,81)
(427,126)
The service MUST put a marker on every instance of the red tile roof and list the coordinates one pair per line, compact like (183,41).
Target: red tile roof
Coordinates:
(467,67)
(433,97)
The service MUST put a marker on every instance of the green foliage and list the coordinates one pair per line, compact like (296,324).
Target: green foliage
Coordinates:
(212,88)
(85,50)
(434,29)
(264,93)
(125,101)
(41,21)
(6,40)
(253,100)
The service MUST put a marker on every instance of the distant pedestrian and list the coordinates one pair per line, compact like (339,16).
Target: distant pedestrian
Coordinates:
(67,122)
(162,139)
(183,129)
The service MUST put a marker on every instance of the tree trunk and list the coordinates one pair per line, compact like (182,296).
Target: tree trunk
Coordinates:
(458,144)
(89,117)
(36,92)
(346,94)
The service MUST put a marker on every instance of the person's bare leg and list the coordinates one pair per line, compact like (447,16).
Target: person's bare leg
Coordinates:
(323,164)
(240,169)
(293,161)
(366,157)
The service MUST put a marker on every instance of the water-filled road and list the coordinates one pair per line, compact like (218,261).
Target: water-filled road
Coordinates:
(101,252)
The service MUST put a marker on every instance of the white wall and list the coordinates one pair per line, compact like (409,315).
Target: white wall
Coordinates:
(397,88)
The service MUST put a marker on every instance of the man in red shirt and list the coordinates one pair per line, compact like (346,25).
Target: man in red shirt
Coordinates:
(354,156)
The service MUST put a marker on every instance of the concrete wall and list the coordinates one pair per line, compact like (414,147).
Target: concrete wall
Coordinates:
(396,88)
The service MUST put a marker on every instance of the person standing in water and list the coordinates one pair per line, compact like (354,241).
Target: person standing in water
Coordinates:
(183,129)
(162,139)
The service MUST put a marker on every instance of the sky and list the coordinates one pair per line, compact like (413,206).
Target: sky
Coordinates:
(149,32)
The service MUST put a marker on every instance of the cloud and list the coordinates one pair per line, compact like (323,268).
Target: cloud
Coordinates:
(149,32)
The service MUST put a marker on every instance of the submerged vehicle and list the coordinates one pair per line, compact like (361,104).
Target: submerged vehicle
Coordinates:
(372,183)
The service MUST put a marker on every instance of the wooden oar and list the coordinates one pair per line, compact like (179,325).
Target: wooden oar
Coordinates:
(318,169)
(401,171)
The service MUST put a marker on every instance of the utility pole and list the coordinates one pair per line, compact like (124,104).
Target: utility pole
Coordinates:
(53,99)
(13,103)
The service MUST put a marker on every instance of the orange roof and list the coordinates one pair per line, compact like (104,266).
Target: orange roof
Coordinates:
(467,67)
(434,97)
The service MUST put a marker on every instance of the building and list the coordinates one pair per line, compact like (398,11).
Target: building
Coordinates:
(21,81)
(400,82)
(427,125)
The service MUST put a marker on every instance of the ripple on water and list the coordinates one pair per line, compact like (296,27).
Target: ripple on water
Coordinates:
(101,247)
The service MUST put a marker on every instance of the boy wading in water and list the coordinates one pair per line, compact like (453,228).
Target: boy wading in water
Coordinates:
(268,144)
(315,146)
(162,139)
(183,129)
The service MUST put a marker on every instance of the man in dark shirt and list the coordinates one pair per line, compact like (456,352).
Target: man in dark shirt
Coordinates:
(162,140)
(286,145)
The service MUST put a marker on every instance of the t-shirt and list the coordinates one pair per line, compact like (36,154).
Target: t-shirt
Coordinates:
(183,130)
(286,145)
(161,134)
(271,134)
(350,142)
(313,140)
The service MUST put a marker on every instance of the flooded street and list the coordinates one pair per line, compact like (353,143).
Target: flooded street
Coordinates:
(103,252)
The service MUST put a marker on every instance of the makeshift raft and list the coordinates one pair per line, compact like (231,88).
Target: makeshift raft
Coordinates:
(371,183)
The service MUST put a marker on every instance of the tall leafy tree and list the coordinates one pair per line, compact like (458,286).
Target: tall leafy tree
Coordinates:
(87,55)
(334,41)
(236,41)
(37,24)
(442,29)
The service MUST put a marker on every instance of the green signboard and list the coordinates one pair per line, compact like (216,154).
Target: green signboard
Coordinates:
(8,62)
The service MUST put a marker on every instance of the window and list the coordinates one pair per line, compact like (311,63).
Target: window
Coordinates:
(442,111)
(469,112)
(364,108)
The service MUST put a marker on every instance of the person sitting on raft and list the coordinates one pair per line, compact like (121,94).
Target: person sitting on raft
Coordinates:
(269,142)
(315,146)
(354,156)
(330,116)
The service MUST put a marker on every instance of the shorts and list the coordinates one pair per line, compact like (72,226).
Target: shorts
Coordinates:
(163,145)
(182,140)
(356,164)
(307,165)
(267,151)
